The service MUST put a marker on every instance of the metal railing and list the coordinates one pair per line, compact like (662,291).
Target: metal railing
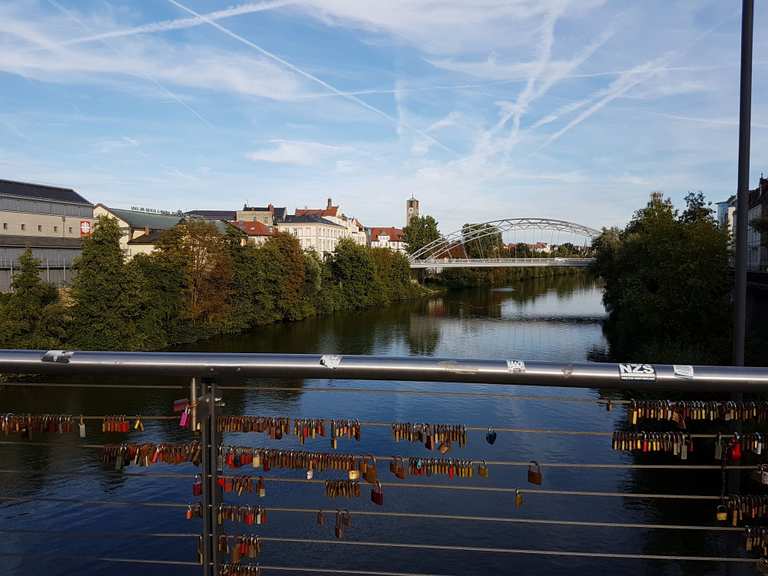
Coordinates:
(544,261)
(207,373)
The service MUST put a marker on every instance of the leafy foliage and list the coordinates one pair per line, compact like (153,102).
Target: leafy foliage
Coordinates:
(666,284)
(197,283)
(31,316)
(420,231)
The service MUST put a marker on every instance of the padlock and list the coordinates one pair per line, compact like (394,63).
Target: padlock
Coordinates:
(518,498)
(197,487)
(261,489)
(189,513)
(490,436)
(764,474)
(721,513)
(353,474)
(320,518)
(534,472)
(444,447)
(377,494)
(371,475)
(400,471)
(736,450)
(82,427)
(482,469)
(184,419)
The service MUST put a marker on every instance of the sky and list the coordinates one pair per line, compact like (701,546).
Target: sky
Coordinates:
(481,109)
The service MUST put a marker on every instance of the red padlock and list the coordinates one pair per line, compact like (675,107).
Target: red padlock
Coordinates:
(377,494)
(736,451)
(197,487)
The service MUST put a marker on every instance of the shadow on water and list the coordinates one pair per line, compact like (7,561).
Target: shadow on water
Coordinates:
(550,319)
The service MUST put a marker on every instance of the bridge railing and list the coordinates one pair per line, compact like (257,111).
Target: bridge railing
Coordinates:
(232,537)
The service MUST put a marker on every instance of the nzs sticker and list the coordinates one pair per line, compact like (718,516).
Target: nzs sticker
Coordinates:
(637,372)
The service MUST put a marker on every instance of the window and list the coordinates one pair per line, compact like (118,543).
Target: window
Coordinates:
(23,226)
(39,228)
(5,225)
(55,228)
(70,229)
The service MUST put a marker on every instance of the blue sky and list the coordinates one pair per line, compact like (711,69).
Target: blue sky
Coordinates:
(482,109)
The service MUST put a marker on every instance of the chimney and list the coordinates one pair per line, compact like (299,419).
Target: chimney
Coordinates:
(329,204)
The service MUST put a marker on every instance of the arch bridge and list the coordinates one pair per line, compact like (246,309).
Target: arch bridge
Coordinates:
(482,246)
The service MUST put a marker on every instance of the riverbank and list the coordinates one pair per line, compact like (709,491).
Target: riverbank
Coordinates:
(493,277)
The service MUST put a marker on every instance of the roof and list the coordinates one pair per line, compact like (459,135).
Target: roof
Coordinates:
(330,211)
(255,228)
(213,214)
(136,219)
(309,219)
(395,234)
(9,240)
(41,192)
(150,238)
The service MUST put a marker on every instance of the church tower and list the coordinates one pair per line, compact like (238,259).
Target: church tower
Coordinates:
(411,209)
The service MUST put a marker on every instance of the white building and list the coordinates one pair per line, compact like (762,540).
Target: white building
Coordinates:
(389,237)
(139,230)
(353,228)
(757,251)
(314,232)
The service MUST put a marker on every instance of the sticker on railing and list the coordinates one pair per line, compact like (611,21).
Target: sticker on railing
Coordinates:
(637,372)
(683,371)
(516,366)
(330,361)
(60,356)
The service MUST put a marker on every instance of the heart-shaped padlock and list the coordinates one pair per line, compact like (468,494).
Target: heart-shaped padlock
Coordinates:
(490,437)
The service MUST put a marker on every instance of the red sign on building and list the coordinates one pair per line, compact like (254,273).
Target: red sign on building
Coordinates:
(85,228)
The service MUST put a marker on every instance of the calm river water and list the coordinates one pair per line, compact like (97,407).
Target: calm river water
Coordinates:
(557,319)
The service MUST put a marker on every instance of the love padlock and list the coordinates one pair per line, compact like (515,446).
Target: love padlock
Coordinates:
(534,472)
(490,436)
(377,494)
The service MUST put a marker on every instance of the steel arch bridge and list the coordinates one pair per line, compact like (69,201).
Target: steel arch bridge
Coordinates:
(441,253)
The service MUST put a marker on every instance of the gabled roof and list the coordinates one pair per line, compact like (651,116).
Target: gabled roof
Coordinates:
(41,192)
(213,214)
(150,238)
(136,219)
(331,211)
(395,234)
(255,228)
(309,219)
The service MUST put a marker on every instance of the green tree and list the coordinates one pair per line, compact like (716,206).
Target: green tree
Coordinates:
(31,316)
(284,270)
(489,245)
(420,231)
(103,314)
(355,273)
(666,284)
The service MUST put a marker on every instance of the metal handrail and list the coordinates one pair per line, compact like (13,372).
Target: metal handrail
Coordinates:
(423,369)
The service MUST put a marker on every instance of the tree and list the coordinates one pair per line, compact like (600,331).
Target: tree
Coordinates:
(355,272)
(420,231)
(203,253)
(31,316)
(284,269)
(666,284)
(489,245)
(102,314)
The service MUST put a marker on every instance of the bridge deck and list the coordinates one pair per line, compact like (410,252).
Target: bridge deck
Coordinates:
(439,264)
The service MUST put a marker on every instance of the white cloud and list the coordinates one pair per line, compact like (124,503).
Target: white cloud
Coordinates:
(298,153)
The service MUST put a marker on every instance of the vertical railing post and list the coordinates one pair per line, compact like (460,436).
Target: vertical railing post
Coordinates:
(208,512)
(213,458)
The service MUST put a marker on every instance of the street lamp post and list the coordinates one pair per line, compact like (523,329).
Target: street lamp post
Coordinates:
(742,193)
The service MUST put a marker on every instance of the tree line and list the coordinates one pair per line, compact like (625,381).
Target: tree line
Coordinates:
(197,283)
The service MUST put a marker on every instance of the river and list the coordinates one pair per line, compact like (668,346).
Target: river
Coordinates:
(556,319)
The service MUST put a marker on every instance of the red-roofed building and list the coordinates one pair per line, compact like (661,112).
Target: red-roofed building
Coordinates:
(329,210)
(256,232)
(387,237)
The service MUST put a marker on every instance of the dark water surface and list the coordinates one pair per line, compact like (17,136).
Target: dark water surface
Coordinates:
(556,319)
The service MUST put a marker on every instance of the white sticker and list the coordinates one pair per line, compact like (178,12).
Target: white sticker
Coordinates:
(637,372)
(683,371)
(516,366)
(330,361)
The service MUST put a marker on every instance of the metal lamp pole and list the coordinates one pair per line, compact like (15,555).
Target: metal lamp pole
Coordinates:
(742,194)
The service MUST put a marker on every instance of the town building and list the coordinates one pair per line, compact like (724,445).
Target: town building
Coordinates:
(411,209)
(50,220)
(757,249)
(255,233)
(268,215)
(140,229)
(226,215)
(313,232)
(353,228)
(389,237)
